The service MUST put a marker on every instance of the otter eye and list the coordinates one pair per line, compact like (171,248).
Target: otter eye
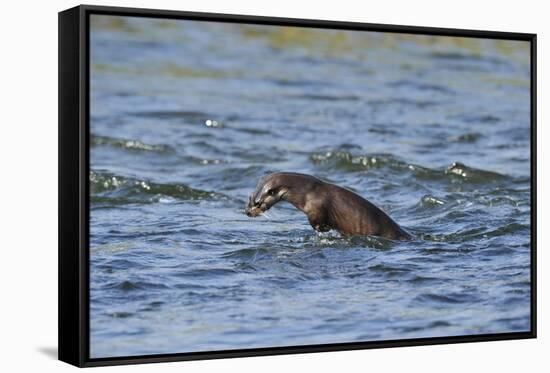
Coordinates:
(271,192)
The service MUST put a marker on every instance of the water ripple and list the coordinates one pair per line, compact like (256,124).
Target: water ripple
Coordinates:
(116,189)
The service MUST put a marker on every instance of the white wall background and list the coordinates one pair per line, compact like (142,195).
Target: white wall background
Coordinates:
(28,184)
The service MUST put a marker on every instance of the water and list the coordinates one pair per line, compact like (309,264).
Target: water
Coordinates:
(187,116)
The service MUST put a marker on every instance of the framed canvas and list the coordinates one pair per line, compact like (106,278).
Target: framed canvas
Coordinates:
(236,186)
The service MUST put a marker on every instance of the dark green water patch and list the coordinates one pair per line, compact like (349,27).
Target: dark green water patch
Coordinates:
(346,161)
(106,186)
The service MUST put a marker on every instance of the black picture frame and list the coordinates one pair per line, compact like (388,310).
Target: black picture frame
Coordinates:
(74,189)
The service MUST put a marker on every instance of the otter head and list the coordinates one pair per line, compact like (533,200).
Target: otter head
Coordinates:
(270,190)
(287,186)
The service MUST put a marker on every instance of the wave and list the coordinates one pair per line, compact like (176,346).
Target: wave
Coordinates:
(127,285)
(409,84)
(466,138)
(325,97)
(477,118)
(109,188)
(475,234)
(473,174)
(133,145)
(403,102)
(390,270)
(179,115)
(440,299)
(247,253)
(206,273)
(346,161)
(429,201)
(470,57)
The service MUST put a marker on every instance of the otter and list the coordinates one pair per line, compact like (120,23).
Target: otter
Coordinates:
(327,206)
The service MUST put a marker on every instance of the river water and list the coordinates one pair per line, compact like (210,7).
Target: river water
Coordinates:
(187,116)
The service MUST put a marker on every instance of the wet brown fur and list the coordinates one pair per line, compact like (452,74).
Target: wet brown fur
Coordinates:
(327,206)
